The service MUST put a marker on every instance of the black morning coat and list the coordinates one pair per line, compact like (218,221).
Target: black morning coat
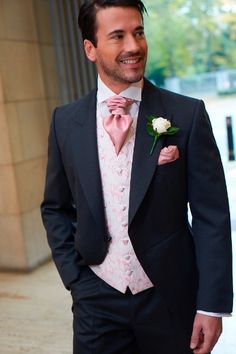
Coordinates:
(190,265)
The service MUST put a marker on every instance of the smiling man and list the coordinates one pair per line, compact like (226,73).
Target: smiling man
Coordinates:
(120,52)
(124,162)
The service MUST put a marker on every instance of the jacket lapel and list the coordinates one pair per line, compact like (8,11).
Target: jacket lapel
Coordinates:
(84,140)
(144,164)
(85,147)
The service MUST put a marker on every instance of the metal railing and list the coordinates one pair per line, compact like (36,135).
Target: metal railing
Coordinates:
(219,82)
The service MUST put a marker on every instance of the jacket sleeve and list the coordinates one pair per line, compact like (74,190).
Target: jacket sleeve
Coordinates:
(58,212)
(210,217)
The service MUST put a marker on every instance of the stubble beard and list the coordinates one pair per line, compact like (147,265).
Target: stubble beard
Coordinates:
(119,76)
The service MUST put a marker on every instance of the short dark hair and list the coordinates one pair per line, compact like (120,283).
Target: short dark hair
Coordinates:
(89,9)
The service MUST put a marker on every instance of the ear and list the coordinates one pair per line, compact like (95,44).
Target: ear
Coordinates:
(90,50)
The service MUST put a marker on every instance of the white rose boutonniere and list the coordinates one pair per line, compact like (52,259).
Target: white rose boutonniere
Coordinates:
(158,126)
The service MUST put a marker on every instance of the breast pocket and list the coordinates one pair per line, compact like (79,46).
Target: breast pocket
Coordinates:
(171,170)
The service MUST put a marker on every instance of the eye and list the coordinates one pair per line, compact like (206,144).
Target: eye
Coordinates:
(117,36)
(140,34)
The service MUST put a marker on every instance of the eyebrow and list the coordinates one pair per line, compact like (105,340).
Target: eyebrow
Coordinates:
(120,31)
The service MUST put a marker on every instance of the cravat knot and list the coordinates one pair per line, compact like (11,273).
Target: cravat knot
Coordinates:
(117,125)
(118,105)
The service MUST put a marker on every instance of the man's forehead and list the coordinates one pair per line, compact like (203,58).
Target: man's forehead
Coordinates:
(114,18)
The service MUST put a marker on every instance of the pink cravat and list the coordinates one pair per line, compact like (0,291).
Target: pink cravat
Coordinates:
(118,123)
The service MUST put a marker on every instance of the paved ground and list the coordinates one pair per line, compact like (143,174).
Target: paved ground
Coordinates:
(227,342)
(35,314)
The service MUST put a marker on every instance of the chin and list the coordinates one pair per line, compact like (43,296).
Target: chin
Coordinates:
(135,78)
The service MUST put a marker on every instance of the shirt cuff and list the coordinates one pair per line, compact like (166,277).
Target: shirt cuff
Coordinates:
(214,314)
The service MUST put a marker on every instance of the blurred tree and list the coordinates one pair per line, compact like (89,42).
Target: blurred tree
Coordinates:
(228,38)
(189,36)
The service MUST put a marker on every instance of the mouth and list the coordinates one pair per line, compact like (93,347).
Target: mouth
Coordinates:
(130,61)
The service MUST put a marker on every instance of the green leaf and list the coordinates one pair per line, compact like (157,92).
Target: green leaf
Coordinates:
(150,130)
(150,118)
(172,131)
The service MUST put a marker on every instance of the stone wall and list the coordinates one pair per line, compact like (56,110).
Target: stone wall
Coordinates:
(28,91)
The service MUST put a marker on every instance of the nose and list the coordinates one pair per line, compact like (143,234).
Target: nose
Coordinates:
(132,44)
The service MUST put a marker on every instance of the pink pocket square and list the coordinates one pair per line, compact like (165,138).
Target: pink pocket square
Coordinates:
(168,154)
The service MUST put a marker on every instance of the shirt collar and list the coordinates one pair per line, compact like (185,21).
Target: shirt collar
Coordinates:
(134,91)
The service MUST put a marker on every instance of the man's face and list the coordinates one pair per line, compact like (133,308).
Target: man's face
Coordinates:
(121,51)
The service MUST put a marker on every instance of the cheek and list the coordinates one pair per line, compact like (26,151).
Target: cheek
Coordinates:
(145,47)
(111,56)
(105,53)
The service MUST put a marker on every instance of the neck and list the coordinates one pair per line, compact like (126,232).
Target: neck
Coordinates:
(117,87)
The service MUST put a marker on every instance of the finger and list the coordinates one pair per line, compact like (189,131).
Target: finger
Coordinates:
(197,337)
(200,344)
(207,344)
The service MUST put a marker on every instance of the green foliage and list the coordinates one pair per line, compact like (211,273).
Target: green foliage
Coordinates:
(188,37)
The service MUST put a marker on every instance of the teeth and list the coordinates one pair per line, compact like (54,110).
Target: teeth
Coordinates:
(134,61)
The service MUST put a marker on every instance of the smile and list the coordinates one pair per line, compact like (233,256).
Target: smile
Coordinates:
(130,61)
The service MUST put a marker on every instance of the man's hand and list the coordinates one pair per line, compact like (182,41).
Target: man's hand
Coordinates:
(206,332)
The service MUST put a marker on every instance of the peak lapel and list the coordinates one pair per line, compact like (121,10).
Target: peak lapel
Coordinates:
(144,164)
(85,147)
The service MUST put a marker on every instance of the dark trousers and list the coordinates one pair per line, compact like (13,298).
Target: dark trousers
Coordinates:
(109,322)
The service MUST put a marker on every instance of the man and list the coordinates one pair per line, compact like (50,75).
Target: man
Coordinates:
(123,164)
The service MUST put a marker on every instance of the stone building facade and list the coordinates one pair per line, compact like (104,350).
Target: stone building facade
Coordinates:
(32,62)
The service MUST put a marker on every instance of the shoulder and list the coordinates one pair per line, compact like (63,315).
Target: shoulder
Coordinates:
(66,117)
(184,107)
(169,96)
(76,109)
